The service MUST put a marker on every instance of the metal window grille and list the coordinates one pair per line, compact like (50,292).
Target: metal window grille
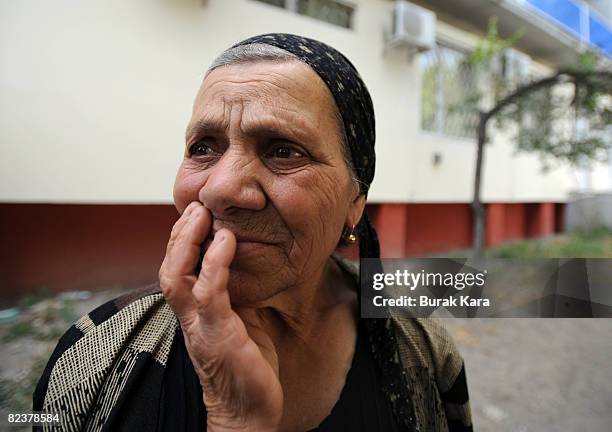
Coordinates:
(447,84)
(279,3)
(330,11)
(333,12)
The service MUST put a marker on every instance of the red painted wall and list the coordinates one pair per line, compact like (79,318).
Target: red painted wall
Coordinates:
(409,230)
(434,228)
(69,247)
(391,227)
(540,219)
(495,224)
(514,221)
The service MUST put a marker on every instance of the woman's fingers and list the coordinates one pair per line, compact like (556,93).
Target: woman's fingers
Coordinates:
(210,290)
(177,271)
(239,378)
(180,223)
(186,248)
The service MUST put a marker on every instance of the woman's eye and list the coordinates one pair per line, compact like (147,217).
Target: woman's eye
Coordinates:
(200,149)
(285,152)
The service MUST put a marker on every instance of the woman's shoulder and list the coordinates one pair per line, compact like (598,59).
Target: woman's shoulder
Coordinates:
(430,339)
(107,342)
(426,344)
(427,353)
(422,342)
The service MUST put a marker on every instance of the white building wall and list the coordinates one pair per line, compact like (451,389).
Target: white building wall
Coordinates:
(95,97)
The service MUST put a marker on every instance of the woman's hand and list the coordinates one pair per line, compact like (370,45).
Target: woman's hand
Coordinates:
(236,363)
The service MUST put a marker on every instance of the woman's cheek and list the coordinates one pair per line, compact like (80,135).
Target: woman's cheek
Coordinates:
(186,187)
(311,213)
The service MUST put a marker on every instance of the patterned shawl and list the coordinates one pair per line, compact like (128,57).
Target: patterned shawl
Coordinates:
(107,369)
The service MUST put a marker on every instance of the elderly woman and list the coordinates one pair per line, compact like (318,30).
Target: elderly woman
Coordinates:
(254,323)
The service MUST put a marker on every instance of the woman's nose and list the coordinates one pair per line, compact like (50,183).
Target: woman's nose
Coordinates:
(232,184)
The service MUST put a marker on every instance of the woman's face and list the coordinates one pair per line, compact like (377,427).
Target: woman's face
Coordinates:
(264,155)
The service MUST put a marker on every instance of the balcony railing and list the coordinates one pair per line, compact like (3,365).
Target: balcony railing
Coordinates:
(577,18)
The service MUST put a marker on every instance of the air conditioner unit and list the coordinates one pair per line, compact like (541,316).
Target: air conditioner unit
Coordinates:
(412,27)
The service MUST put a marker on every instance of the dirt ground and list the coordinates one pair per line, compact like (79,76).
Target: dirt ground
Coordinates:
(537,374)
(523,374)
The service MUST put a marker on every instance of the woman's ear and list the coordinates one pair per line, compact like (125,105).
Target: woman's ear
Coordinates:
(356,209)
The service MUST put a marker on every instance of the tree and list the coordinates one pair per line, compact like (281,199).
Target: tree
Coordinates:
(562,117)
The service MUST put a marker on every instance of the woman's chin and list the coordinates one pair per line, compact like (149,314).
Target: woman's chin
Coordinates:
(250,249)
(255,257)
(253,281)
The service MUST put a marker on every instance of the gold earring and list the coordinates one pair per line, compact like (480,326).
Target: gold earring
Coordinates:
(351,237)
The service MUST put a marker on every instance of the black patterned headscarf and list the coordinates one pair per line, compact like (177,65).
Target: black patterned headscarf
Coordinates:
(355,106)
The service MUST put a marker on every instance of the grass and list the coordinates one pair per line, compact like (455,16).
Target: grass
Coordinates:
(16,393)
(48,323)
(585,244)
(42,320)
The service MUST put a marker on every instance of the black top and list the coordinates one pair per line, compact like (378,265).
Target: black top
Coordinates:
(362,405)
(124,367)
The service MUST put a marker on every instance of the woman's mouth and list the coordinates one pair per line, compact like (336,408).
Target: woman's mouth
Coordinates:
(249,248)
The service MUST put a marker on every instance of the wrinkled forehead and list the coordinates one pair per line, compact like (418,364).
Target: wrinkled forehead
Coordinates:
(287,88)
(288,93)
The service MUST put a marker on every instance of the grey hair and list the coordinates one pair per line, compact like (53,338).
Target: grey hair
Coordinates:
(262,52)
(251,53)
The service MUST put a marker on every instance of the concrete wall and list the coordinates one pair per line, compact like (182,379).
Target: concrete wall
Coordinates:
(587,211)
(95,97)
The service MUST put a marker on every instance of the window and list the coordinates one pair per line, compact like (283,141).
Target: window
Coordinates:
(279,3)
(447,85)
(331,11)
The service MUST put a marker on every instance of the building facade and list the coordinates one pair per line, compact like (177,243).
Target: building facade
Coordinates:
(96,97)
